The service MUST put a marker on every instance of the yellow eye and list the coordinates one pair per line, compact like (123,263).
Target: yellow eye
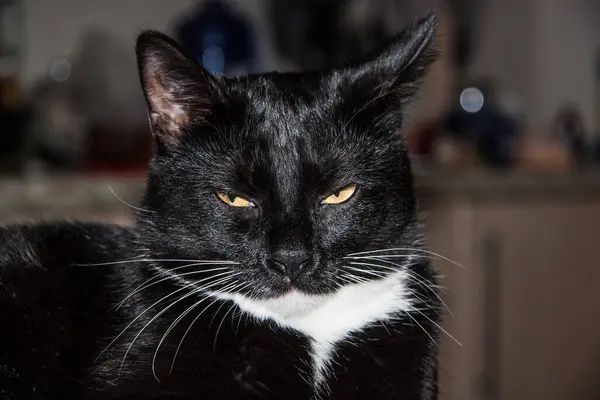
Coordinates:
(234,201)
(340,196)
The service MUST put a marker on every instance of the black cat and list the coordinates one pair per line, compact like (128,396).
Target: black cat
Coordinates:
(278,255)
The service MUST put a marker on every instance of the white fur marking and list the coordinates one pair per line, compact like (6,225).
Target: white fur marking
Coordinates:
(329,319)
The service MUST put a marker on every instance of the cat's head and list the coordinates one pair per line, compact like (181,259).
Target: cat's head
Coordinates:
(281,175)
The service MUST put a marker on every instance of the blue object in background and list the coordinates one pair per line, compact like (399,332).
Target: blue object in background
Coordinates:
(222,41)
(493,132)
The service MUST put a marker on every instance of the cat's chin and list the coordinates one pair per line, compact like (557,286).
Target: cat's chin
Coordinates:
(297,287)
(291,303)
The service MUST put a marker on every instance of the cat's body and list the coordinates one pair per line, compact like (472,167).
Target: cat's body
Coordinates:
(69,315)
(277,255)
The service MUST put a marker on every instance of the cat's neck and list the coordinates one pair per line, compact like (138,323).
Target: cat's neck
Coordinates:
(333,317)
(330,319)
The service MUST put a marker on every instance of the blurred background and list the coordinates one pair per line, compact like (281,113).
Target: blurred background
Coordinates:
(505,140)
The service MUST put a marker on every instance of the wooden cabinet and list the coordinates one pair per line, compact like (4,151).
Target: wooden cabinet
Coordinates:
(526,308)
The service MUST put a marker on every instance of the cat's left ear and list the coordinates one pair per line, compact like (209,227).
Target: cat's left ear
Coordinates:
(180,93)
(392,73)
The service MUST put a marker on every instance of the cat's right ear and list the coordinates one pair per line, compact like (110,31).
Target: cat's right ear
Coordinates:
(180,93)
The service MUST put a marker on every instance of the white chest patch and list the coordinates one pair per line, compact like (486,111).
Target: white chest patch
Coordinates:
(329,319)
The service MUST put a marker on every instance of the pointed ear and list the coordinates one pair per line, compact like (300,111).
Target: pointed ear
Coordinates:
(393,72)
(180,94)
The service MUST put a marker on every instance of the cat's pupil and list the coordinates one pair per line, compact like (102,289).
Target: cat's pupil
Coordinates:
(336,193)
(231,197)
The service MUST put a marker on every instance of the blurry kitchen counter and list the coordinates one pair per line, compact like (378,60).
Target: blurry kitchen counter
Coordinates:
(92,198)
(488,186)
(69,197)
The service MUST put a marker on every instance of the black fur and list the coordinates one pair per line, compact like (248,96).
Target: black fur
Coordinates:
(282,141)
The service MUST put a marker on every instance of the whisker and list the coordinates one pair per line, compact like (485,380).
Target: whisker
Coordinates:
(181,275)
(149,308)
(422,299)
(345,280)
(437,325)
(362,255)
(355,278)
(228,287)
(400,266)
(154,261)
(376,265)
(225,316)
(126,203)
(409,258)
(364,271)
(221,324)
(242,314)
(430,287)
(407,249)
(385,327)
(237,328)
(171,327)
(147,283)
(421,326)
(233,318)
(413,276)
(350,278)
(161,313)
(338,285)
(219,281)
(215,314)
(176,321)
(139,316)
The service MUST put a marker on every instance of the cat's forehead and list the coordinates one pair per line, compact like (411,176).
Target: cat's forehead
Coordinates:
(292,134)
(284,103)
(278,120)
(289,110)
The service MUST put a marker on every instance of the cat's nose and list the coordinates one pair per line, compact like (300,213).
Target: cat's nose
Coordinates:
(290,262)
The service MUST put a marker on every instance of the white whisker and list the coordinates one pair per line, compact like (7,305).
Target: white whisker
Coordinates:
(429,287)
(403,267)
(161,313)
(147,283)
(219,281)
(375,265)
(345,280)
(177,320)
(421,326)
(364,271)
(355,278)
(363,253)
(181,276)
(149,308)
(194,321)
(155,261)
(237,327)
(126,203)
(139,315)
(413,276)
(225,316)
(437,325)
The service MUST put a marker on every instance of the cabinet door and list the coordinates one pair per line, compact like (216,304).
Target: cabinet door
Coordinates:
(449,227)
(543,258)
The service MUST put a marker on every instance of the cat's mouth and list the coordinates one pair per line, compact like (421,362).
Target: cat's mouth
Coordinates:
(305,284)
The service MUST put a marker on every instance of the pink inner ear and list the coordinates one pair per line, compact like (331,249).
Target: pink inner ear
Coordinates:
(168,131)
(174,112)
(166,114)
